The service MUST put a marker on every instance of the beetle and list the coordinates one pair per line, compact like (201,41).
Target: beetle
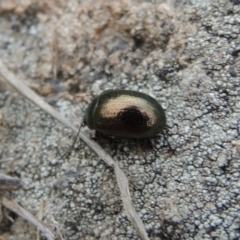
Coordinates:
(125,114)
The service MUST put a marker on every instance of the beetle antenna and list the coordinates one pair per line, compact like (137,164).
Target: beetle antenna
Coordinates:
(66,154)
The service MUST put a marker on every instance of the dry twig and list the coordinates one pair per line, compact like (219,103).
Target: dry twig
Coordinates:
(27,216)
(8,183)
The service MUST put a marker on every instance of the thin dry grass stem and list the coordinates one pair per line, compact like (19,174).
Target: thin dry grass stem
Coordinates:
(127,203)
(27,216)
(59,229)
(122,180)
(55,53)
(40,216)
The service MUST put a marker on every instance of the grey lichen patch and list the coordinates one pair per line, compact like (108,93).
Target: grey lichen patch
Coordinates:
(185,183)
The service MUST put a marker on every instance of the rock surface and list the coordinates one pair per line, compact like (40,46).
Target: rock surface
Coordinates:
(185,54)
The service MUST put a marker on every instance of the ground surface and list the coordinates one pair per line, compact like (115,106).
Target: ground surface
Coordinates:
(186,55)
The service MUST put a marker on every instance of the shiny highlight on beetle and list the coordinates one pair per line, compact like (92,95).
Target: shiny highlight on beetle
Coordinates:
(126,107)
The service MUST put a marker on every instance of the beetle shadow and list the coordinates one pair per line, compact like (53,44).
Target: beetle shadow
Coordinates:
(114,145)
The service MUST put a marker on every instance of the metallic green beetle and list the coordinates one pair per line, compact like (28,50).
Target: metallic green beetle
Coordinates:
(125,114)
